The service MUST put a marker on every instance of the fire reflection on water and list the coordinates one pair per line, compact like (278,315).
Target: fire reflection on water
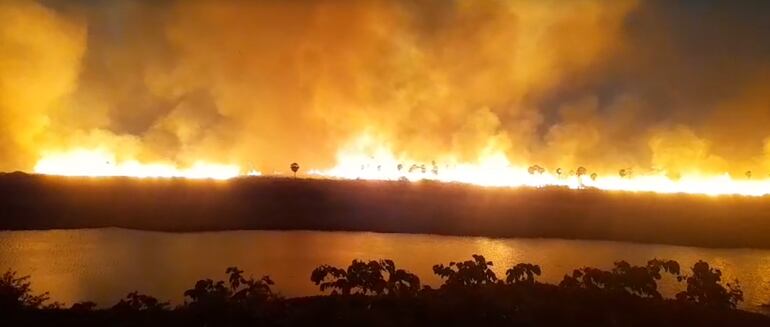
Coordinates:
(105,264)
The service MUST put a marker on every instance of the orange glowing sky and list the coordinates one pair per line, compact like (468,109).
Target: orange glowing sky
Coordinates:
(675,92)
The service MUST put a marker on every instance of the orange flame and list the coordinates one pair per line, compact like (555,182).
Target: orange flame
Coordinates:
(101,163)
(495,169)
(492,170)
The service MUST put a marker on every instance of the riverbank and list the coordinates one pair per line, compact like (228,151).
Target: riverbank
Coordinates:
(177,205)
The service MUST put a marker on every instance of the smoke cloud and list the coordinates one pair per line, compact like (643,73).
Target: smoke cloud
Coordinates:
(654,85)
(40,55)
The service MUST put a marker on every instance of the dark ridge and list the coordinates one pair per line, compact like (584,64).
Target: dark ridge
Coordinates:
(179,205)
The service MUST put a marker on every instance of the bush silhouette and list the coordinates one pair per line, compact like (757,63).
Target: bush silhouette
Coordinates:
(471,273)
(239,300)
(135,301)
(83,306)
(246,292)
(587,277)
(626,295)
(624,278)
(523,273)
(400,281)
(642,280)
(208,294)
(705,287)
(366,278)
(16,293)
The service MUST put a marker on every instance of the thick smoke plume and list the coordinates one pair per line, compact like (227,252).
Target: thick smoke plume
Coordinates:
(654,85)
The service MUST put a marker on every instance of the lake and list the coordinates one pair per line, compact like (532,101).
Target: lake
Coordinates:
(103,265)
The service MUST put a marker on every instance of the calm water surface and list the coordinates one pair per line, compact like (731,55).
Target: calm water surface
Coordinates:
(105,264)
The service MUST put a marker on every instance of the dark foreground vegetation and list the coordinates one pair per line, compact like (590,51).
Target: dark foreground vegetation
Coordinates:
(378,293)
(46,202)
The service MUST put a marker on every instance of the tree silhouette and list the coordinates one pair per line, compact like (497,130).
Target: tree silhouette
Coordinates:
(246,293)
(748,174)
(587,277)
(208,295)
(581,171)
(83,306)
(295,167)
(471,294)
(16,293)
(642,280)
(522,273)
(366,278)
(400,282)
(136,301)
(623,173)
(625,278)
(249,291)
(471,273)
(338,276)
(535,169)
(705,287)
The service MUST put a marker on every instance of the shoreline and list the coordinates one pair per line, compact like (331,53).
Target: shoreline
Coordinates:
(503,238)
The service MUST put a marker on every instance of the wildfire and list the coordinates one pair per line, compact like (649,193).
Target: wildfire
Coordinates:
(511,176)
(493,170)
(99,163)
